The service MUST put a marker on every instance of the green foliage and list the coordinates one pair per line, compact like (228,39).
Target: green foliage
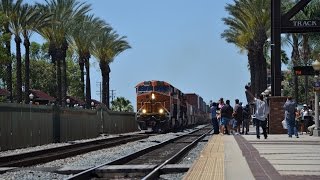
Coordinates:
(42,72)
(3,55)
(288,89)
(42,76)
(121,104)
(73,76)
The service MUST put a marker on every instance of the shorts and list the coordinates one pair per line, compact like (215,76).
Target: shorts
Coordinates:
(225,121)
(233,123)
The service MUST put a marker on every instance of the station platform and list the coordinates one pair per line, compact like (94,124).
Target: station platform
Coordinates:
(228,157)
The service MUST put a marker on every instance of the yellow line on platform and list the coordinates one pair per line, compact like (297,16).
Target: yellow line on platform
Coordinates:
(210,163)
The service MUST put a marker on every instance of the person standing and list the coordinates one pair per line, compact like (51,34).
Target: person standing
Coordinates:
(260,115)
(226,116)
(214,118)
(237,114)
(246,118)
(306,114)
(290,116)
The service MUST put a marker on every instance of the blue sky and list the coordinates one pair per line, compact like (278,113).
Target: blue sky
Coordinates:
(178,41)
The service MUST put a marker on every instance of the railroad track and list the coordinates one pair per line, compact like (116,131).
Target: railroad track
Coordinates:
(47,155)
(148,163)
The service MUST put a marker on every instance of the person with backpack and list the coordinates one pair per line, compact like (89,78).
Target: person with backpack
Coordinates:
(260,115)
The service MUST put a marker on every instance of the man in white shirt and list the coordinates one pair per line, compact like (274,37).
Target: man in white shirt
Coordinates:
(260,115)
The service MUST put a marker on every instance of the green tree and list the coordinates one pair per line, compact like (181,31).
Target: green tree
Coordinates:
(18,13)
(249,23)
(107,46)
(121,104)
(8,8)
(64,13)
(3,54)
(31,21)
(84,33)
(40,63)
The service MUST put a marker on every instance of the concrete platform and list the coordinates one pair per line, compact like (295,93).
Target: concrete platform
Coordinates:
(246,157)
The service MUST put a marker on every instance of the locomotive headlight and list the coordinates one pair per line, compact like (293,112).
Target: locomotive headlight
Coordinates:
(144,111)
(153,96)
(160,111)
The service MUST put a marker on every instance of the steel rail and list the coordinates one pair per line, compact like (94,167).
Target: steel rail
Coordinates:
(156,172)
(42,156)
(87,174)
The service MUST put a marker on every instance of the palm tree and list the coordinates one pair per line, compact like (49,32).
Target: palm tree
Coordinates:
(107,47)
(121,104)
(31,22)
(19,12)
(8,8)
(64,12)
(249,23)
(83,34)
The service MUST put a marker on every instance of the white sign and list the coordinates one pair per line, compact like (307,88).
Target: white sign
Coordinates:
(306,23)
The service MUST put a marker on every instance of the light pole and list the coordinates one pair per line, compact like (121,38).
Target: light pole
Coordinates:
(316,67)
(31,96)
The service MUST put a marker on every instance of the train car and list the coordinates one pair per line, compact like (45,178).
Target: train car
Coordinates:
(162,107)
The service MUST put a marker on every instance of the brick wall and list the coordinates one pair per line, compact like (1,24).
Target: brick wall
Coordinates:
(276,115)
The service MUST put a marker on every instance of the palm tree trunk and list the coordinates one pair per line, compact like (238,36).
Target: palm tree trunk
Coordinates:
(108,86)
(27,69)
(57,60)
(17,39)
(306,55)
(252,67)
(64,82)
(9,64)
(261,61)
(104,74)
(88,87)
(81,65)
(295,56)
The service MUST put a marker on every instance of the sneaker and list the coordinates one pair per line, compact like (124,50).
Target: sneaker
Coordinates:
(258,137)
(297,136)
(265,137)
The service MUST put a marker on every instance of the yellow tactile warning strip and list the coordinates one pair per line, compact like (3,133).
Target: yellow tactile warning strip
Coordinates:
(210,163)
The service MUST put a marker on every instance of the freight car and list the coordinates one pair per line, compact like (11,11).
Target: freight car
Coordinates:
(161,107)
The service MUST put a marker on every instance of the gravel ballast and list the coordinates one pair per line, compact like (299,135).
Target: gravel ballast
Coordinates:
(95,158)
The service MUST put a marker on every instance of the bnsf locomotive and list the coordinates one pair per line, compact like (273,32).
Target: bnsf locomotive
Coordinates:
(161,107)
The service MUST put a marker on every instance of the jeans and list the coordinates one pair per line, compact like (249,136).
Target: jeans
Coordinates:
(292,128)
(215,125)
(263,124)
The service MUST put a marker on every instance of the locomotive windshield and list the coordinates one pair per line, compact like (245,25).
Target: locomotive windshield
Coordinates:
(142,89)
(162,89)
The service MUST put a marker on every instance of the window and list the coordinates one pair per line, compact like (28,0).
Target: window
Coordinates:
(144,88)
(163,89)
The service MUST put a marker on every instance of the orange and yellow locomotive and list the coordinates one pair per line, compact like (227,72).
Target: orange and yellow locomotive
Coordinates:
(161,107)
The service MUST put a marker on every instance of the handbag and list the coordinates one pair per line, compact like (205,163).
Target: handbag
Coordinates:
(284,124)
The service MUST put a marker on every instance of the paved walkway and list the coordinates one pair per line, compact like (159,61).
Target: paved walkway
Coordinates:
(246,157)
